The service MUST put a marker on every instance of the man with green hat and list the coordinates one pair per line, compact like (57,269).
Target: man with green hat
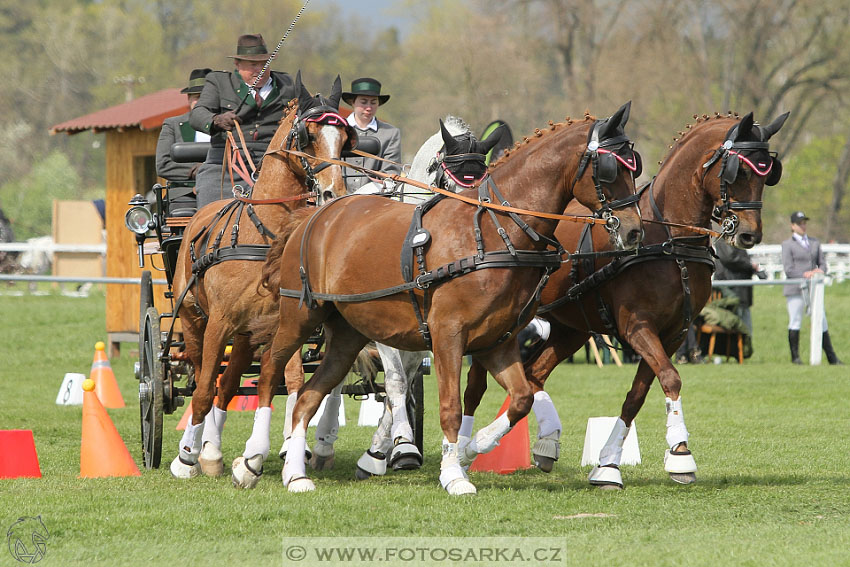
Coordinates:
(227,98)
(177,129)
(365,97)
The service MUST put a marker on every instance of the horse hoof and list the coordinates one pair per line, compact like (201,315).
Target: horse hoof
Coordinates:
(371,464)
(683,478)
(461,487)
(545,464)
(680,463)
(302,484)
(319,463)
(405,456)
(243,474)
(179,469)
(608,477)
(546,451)
(211,460)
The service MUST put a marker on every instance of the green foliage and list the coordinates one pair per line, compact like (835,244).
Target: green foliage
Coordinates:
(28,202)
(806,185)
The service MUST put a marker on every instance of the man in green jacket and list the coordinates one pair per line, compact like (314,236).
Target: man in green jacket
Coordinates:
(227,98)
(177,129)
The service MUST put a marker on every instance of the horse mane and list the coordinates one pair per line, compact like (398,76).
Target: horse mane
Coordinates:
(270,279)
(538,133)
(686,134)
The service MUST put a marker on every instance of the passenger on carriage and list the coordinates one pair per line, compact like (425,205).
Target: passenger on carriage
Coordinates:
(227,98)
(177,129)
(181,176)
(365,97)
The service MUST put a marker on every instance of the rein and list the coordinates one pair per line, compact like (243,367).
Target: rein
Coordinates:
(498,207)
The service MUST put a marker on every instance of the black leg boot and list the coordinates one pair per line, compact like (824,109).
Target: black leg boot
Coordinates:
(794,343)
(827,348)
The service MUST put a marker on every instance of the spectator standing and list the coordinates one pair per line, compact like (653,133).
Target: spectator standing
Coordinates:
(802,257)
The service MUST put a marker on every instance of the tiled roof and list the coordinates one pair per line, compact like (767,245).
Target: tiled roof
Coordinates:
(146,113)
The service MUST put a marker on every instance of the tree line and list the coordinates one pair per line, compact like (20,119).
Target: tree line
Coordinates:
(523,61)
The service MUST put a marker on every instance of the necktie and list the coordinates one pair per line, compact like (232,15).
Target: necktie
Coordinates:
(258,98)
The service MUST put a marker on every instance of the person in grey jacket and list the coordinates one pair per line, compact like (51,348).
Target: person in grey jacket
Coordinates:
(227,98)
(802,257)
(365,97)
(177,129)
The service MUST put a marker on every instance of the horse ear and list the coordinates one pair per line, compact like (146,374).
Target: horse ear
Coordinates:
(336,92)
(448,139)
(745,127)
(485,146)
(774,126)
(614,125)
(303,93)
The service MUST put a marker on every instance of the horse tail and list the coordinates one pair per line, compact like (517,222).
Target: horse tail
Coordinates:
(364,364)
(270,279)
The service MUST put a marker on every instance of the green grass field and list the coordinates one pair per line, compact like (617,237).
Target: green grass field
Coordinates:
(769,439)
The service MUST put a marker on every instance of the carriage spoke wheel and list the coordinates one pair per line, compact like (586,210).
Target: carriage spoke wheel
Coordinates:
(150,390)
(145,301)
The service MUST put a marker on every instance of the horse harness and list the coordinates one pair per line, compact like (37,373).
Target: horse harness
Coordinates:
(681,249)
(205,254)
(413,252)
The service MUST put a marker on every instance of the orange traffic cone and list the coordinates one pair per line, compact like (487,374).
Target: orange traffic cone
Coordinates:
(106,387)
(102,451)
(17,454)
(512,453)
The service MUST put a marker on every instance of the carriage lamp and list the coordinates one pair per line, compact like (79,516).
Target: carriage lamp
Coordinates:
(139,220)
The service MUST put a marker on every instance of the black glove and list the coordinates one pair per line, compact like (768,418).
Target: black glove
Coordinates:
(225,121)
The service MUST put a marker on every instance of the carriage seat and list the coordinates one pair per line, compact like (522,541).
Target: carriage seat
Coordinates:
(182,201)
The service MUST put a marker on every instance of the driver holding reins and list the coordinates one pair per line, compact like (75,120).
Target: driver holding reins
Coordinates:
(227,98)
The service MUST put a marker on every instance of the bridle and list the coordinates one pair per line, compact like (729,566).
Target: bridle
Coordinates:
(299,138)
(730,155)
(604,156)
(464,170)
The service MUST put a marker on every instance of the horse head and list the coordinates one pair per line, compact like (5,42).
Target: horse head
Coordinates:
(744,165)
(461,162)
(609,190)
(319,130)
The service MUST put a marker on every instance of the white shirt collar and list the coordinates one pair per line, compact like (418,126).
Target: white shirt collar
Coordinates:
(373,125)
(801,238)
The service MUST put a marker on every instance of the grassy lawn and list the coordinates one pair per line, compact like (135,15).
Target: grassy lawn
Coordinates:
(769,439)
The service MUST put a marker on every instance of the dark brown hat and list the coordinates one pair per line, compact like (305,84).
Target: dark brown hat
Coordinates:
(251,47)
(196,81)
(364,87)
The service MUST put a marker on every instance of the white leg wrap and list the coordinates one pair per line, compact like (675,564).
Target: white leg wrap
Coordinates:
(544,410)
(294,472)
(542,327)
(381,440)
(466,424)
(486,439)
(452,476)
(258,443)
(213,426)
(287,425)
(328,428)
(396,384)
(612,452)
(190,443)
(676,430)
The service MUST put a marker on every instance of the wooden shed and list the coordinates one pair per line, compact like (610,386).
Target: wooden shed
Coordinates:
(132,130)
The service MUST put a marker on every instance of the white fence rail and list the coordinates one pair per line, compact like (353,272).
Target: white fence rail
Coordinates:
(837,258)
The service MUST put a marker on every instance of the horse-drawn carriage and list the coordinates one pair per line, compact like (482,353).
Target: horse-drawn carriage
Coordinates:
(166,375)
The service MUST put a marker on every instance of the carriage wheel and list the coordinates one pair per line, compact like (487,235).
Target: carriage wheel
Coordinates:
(150,389)
(416,407)
(145,301)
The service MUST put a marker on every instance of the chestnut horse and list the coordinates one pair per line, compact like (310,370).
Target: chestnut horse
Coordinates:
(220,263)
(720,166)
(476,313)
